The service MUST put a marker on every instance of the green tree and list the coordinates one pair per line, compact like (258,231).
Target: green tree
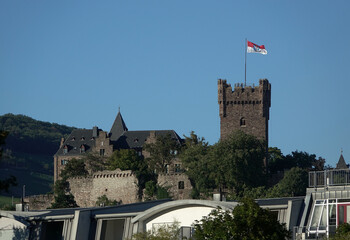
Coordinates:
(74,168)
(194,158)
(162,152)
(154,191)
(5,184)
(342,232)
(304,160)
(94,162)
(238,161)
(62,197)
(164,232)
(247,221)
(124,159)
(294,183)
(104,201)
(275,160)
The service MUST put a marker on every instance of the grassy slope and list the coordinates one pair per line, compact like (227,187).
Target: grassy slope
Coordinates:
(7,201)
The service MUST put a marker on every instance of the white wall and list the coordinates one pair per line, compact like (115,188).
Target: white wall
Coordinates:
(184,216)
(12,229)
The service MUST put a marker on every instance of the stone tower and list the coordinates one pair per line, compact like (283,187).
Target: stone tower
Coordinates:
(244,108)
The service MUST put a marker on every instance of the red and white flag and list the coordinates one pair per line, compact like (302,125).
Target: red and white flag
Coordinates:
(254,48)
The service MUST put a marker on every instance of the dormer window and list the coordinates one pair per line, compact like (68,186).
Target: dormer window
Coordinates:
(136,140)
(92,139)
(65,149)
(82,148)
(82,139)
(73,139)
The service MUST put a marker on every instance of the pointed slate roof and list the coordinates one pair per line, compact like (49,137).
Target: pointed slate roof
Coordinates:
(341,163)
(118,128)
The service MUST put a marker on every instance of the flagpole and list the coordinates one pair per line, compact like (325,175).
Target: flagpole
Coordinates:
(245,63)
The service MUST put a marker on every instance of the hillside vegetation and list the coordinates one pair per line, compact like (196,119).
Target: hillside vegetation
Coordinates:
(28,152)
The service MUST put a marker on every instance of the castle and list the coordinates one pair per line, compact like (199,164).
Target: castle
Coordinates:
(243,108)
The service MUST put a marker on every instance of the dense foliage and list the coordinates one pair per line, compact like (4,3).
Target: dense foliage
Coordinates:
(62,196)
(6,183)
(162,152)
(31,136)
(230,164)
(247,221)
(163,232)
(342,232)
(103,201)
(28,152)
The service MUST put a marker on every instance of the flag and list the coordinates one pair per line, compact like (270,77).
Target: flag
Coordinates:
(254,48)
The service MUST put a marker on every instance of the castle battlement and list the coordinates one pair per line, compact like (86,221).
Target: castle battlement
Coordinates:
(109,174)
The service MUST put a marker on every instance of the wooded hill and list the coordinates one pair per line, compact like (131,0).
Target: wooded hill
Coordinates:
(28,152)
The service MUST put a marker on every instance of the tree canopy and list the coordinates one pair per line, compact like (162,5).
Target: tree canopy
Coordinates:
(162,152)
(5,184)
(247,221)
(231,164)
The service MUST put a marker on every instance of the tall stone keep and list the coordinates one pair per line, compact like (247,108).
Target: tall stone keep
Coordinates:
(245,108)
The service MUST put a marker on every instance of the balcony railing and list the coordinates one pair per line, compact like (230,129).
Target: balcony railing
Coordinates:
(326,178)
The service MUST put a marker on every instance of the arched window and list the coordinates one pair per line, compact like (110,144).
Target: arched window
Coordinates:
(242,122)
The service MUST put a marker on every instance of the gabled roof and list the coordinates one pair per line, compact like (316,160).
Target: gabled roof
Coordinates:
(341,163)
(136,139)
(76,139)
(118,128)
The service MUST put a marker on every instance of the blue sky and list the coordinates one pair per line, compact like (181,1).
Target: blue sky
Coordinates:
(76,62)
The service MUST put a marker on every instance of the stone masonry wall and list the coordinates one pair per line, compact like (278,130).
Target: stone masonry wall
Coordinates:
(172,180)
(116,185)
(39,202)
(244,108)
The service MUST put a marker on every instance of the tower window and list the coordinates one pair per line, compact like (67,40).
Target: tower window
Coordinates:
(181,185)
(64,162)
(242,122)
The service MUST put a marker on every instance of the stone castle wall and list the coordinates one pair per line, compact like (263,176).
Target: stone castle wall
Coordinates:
(116,185)
(178,184)
(39,202)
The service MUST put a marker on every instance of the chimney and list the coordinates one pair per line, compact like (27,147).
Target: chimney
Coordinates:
(62,141)
(95,132)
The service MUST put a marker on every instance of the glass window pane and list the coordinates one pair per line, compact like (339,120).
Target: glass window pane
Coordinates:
(316,217)
(340,215)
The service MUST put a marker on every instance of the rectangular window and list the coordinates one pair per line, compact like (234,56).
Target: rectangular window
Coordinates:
(177,168)
(181,185)
(186,232)
(64,162)
(102,152)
